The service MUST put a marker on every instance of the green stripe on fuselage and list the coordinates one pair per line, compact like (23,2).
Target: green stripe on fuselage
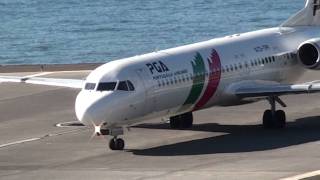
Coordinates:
(198,82)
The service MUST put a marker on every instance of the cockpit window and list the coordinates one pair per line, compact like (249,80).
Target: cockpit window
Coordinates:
(90,86)
(130,85)
(106,86)
(123,86)
(111,86)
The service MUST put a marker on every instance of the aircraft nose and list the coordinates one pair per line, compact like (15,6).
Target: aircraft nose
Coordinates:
(81,106)
(88,109)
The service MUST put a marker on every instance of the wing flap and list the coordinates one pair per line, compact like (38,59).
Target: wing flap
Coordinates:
(262,89)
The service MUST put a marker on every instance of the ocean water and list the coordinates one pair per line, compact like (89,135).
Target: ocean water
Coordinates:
(76,31)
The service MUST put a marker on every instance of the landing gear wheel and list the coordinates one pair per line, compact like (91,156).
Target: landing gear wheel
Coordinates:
(182,121)
(116,144)
(112,144)
(187,121)
(280,119)
(175,123)
(274,118)
(267,119)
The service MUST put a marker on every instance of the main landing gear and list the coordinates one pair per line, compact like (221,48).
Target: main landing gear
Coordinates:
(182,121)
(272,118)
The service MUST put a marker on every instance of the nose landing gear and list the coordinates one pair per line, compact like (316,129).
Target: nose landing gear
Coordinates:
(116,144)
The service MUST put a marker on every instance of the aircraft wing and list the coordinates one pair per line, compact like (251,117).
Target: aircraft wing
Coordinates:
(71,83)
(265,89)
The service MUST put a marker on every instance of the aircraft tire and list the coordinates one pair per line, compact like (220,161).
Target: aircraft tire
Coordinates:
(182,121)
(281,119)
(187,120)
(175,123)
(116,144)
(276,122)
(267,119)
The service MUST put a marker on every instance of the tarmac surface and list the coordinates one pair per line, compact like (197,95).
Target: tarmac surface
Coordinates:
(225,142)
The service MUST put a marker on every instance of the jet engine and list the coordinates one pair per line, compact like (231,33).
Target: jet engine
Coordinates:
(309,54)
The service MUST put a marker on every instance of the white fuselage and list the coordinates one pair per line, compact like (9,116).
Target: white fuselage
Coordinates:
(189,78)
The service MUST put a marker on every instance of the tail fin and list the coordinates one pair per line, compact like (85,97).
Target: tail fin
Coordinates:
(308,16)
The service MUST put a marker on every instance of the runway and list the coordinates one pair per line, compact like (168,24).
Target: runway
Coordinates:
(225,143)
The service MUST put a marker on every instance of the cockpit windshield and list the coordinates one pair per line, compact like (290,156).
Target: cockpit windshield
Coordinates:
(130,85)
(111,86)
(125,86)
(106,86)
(90,86)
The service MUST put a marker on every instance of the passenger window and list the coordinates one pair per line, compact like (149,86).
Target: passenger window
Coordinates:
(106,86)
(89,86)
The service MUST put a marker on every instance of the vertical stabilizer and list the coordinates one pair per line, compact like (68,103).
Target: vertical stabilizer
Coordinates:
(308,16)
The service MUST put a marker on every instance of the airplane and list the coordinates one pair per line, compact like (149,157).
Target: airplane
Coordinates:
(174,83)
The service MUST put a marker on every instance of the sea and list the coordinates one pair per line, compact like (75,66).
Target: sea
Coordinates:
(97,31)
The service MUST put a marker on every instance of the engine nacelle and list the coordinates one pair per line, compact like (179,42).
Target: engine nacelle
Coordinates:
(309,53)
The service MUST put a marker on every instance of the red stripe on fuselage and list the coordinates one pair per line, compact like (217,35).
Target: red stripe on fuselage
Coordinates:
(213,82)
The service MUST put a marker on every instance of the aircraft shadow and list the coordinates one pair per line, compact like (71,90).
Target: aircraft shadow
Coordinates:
(240,138)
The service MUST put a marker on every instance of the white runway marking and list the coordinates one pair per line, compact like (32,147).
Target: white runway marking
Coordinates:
(39,138)
(19,142)
(70,124)
(303,176)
